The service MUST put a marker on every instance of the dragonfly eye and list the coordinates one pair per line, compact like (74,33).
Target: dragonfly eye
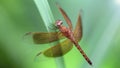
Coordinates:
(59,22)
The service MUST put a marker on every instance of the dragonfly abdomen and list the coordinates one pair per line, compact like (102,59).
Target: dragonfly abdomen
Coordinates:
(83,53)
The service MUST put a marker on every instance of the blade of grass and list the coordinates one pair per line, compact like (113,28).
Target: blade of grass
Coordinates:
(45,12)
(48,19)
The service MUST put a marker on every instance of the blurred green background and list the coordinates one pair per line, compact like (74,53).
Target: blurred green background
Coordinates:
(101,33)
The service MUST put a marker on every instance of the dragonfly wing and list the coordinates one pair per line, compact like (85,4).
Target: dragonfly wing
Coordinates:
(58,50)
(78,29)
(41,38)
(45,37)
(65,17)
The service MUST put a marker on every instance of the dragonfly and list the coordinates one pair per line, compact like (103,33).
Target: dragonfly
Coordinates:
(60,49)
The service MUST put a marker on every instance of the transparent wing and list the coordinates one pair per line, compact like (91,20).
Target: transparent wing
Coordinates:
(45,37)
(59,49)
(65,17)
(78,29)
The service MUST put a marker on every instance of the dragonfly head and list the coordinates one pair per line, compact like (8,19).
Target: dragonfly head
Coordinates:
(58,23)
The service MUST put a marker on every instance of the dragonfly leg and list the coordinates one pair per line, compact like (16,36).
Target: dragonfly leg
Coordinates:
(52,27)
(39,53)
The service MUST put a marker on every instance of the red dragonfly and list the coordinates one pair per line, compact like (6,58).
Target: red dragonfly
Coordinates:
(73,37)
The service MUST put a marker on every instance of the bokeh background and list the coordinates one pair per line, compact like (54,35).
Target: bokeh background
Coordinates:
(101,33)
